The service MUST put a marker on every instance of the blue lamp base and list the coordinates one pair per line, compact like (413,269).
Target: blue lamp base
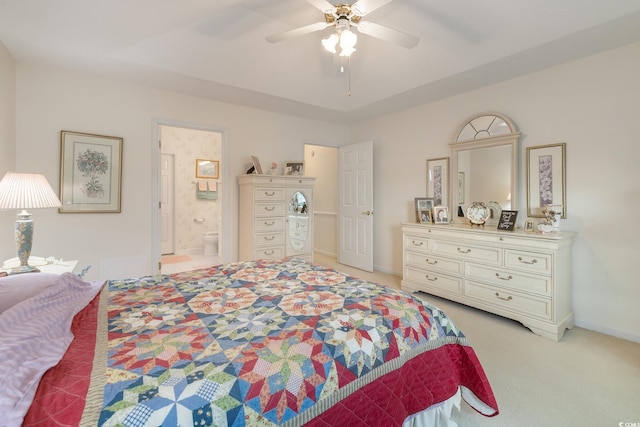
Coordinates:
(24,240)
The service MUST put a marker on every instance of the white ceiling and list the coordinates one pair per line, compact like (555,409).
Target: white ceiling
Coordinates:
(217,48)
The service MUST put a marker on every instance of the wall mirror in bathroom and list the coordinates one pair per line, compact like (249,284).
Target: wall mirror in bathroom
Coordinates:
(298,221)
(484,165)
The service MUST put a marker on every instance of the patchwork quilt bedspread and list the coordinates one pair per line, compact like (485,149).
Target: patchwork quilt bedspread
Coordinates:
(275,342)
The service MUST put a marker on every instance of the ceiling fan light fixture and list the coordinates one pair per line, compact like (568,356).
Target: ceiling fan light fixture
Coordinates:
(348,41)
(330,42)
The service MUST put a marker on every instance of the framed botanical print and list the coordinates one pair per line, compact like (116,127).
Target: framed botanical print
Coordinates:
(90,173)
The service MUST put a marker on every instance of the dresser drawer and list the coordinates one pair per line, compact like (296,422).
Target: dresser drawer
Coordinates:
(528,261)
(416,244)
(516,302)
(429,262)
(269,209)
(509,278)
(266,194)
(269,239)
(435,280)
(269,252)
(269,224)
(467,252)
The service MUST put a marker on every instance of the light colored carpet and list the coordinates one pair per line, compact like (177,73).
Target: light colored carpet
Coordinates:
(587,379)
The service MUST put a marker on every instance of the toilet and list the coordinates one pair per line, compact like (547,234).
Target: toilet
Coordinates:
(210,239)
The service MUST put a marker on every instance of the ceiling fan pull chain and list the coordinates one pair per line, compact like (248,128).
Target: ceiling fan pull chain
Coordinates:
(349,60)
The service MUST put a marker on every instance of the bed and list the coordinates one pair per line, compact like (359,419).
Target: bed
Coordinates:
(260,343)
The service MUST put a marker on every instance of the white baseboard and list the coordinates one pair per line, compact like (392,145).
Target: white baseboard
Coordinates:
(608,331)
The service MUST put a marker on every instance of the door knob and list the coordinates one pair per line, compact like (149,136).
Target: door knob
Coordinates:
(367,213)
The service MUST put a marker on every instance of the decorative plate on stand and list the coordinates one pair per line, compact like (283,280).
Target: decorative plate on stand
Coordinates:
(478,213)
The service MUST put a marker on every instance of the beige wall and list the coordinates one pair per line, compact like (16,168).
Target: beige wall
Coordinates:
(50,100)
(591,105)
(7,136)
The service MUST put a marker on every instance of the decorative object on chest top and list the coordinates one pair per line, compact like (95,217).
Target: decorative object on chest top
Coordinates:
(478,213)
(275,216)
(25,191)
(518,275)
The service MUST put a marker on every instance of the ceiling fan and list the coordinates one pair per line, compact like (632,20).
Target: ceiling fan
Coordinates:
(343,17)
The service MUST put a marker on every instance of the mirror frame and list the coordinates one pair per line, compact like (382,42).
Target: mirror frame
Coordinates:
(484,139)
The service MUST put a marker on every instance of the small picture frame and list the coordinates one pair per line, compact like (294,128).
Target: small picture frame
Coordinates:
(425,216)
(438,180)
(422,203)
(528,226)
(256,165)
(209,169)
(441,215)
(294,168)
(507,220)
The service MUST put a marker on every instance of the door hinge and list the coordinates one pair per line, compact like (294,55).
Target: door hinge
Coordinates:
(159,205)
(159,265)
(159,144)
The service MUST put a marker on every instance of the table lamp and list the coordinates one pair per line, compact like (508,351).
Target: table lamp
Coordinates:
(25,191)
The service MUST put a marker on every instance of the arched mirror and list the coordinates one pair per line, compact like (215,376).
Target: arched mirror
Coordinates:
(484,165)
(298,221)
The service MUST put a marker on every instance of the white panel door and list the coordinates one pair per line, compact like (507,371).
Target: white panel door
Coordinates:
(167,177)
(355,233)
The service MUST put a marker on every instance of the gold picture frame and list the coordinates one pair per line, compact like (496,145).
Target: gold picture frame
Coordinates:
(208,169)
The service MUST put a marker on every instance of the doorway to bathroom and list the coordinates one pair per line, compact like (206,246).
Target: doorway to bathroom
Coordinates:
(188,232)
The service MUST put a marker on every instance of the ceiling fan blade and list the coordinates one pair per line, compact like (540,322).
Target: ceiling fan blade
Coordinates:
(323,5)
(388,34)
(318,26)
(362,7)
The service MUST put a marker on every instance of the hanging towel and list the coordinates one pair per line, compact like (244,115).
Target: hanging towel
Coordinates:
(202,186)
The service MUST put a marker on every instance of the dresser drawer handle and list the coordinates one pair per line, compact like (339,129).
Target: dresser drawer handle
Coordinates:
(414,243)
(465,251)
(431,279)
(509,298)
(527,262)
(269,194)
(269,208)
(431,262)
(503,278)
(270,223)
(272,252)
(269,238)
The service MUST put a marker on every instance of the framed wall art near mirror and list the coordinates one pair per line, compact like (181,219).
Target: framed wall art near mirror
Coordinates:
(438,180)
(546,184)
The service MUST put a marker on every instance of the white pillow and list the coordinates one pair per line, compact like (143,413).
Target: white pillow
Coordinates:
(16,288)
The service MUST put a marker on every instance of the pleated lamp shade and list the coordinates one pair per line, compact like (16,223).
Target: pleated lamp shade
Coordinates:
(27,191)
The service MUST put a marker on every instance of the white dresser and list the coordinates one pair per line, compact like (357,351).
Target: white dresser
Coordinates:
(275,216)
(522,276)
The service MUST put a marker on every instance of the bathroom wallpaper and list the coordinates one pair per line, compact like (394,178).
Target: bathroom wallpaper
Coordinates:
(187,145)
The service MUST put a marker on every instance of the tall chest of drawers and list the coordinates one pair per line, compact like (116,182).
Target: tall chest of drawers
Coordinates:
(268,226)
(518,275)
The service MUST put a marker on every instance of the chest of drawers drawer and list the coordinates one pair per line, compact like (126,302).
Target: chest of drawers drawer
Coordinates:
(511,279)
(269,252)
(269,224)
(534,262)
(269,194)
(270,239)
(416,244)
(486,254)
(434,280)
(514,301)
(269,209)
(430,262)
